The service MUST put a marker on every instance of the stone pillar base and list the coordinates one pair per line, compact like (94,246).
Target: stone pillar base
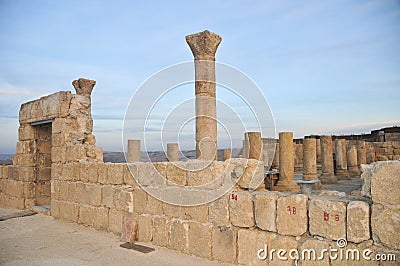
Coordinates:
(286,186)
(327,178)
(354,171)
(342,174)
(312,177)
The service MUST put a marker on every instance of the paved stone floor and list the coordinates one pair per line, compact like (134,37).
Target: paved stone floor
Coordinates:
(41,240)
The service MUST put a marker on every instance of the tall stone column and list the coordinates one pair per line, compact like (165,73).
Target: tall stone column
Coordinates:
(227,154)
(286,164)
(340,158)
(172,152)
(275,162)
(310,161)
(328,172)
(204,46)
(352,164)
(133,150)
(361,153)
(268,151)
(319,160)
(255,145)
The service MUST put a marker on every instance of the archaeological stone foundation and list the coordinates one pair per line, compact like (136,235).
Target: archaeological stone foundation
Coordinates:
(57,163)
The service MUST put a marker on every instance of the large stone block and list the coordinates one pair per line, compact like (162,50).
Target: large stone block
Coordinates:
(130,174)
(123,196)
(161,227)
(310,253)
(86,214)
(176,175)
(101,218)
(92,172)
(14,188)
(358,226)
(199,239)
(103,173)
(115,221)
(139,200)
(224,244)
(88,193)
(68,191)
(285,243)
(107,192)
(219,211)
(154,206)
(116,174)
(249,243)
(11,201)
(129,230)
(27,146)
(265,210)
(253,176)
(292,216)
(327,218)
(64,210)
(385,225)
(26,132)
(241,209)
(178,239)
(171,211)
(198,213)
(145,228)
(385,183)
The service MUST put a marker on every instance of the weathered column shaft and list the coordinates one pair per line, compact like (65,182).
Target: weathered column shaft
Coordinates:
(361,153)
(340,158)
(352,164)
(255,145)
(328,172)
(172,152)
(318,141)
(310,161)
(204,46)
(286,163)
(227,154)
(268,151)
(133,150)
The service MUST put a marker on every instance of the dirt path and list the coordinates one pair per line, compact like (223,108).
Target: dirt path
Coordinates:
(41,240)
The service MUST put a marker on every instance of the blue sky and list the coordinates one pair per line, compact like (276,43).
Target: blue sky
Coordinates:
(325,67)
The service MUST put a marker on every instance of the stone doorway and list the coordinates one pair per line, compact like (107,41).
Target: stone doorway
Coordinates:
(42,169)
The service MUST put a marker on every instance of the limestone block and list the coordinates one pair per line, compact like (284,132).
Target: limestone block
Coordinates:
(198,213)
(92,172)
(75,153)
(161,226)
(139,200)
(292,216)
(199,239)
(103,173)
(249,243)
(26,132)
(154,206)
(178,239)
(241,209)
(286,243)
(366,174)
(170,210)
(385,183)
(151,173)
(71,172)
(29,190)
(129,230)
(253,175)
(86,214)
(130,174)
(310,252)
(25,160)
(116,174)
(64,210)
(122,197)
(88,193)
(385,225)
(27,146)
(84,172)
(13,202)
(358,221)
(115,220)
(176,175)
(265,210)
(145,228)
(352,258)
(224,244)
(14,188)
(68,191)
(327,218)
(58,154)
(219,211)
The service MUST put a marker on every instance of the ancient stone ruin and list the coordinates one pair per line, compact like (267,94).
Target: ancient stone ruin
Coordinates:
(57,163)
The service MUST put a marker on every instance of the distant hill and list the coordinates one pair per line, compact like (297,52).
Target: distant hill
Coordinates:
(6,159)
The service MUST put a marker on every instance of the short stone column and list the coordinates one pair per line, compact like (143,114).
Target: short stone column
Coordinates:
(133,150)
(226,154)
(310,161)
(328,172)
(204,46)
(172,152)
(381,136)
(255,145)
(286,164)
(352,164)
(361,153)
(340,159)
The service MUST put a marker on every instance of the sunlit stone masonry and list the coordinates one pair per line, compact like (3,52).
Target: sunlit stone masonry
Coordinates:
(204,45)
(310,161)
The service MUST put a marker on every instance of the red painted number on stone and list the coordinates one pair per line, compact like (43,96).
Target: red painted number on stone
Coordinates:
(234,196)
(326,216)
(291,209)
(336,217)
